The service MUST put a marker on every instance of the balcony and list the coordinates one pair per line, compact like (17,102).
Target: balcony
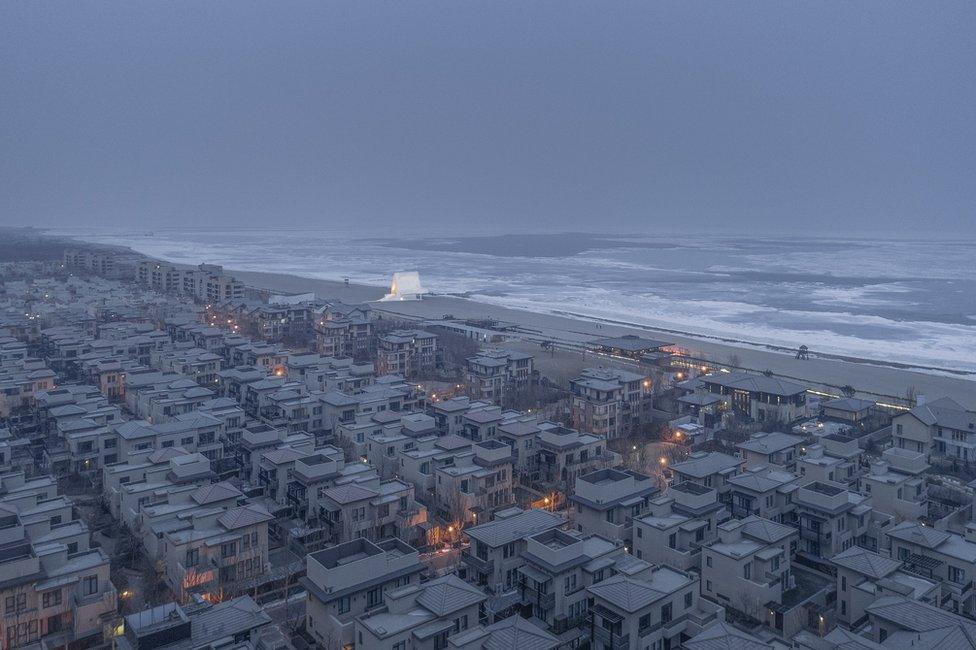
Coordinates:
(484,566)
(534,596)
(610,640)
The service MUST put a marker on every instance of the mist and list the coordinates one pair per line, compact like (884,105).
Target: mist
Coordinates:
(821,118)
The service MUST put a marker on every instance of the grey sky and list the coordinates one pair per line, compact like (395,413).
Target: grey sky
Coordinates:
(793,116)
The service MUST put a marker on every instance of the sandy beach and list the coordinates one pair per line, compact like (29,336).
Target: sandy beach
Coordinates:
(871,379)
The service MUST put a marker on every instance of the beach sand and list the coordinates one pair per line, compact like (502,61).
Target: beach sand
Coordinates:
(870,379)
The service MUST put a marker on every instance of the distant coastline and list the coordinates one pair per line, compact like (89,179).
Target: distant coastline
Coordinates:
(570,324)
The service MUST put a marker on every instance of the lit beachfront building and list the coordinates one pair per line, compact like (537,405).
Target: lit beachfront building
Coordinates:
(610,402)
(757,397)
(405,285)
(945,557)
(344,581)
(942,429)
(496,375)
(655,609)
(408,353)
(606,502)
(775,448)
(864,576)
(678,525)
(494,556)
(748,569)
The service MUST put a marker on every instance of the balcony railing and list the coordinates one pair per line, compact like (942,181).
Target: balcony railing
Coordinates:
(611,640)
(534,596)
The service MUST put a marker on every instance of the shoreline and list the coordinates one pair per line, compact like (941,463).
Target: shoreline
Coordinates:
(869,377)
(872,377)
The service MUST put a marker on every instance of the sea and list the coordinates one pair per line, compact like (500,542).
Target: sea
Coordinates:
(900,300)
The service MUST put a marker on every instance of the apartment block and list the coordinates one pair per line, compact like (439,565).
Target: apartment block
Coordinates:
(775,448)
(607,502)
(610,402)
(864,576)
(558,567)
(494,555)
(422,616)
(678,525)
(942,556)
(496,375)
(408,353)
(655,611)
(350,580)
(748,569)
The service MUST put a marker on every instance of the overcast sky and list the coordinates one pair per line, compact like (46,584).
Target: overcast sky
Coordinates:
(761,116)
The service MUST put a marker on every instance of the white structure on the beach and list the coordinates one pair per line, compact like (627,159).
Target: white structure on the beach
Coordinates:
(405,286)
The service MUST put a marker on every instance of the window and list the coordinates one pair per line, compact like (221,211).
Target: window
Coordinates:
(374,597)
(640,532)
(110,443)
(688,599)
(51,598)
(956,575)
(460,623)
(903,553)
(708,560)
(569,583)
(672,540)
(645,621)
(747,571)
(400,645)
(228,549)
(666,613)
(344,604)
(89,586)
(192,557)
(843,608)
(843,583)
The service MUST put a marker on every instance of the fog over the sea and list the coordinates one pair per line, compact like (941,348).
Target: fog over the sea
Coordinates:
(775,117)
